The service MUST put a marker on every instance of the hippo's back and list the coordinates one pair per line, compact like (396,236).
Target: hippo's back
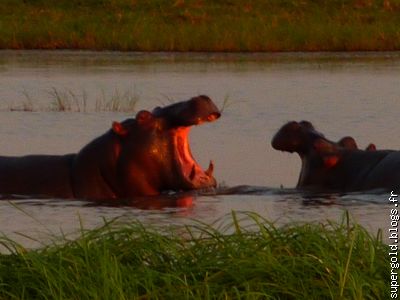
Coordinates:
(36,175)
(386,173)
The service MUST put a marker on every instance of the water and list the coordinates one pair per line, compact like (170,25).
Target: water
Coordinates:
(341,94)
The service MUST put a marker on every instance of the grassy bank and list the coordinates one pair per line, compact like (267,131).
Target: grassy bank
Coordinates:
(201,25)
(312,261)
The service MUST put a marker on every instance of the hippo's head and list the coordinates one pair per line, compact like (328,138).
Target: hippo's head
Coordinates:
(154,152)
(296,137)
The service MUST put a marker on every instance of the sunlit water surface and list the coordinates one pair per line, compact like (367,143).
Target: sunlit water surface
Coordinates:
(341,94)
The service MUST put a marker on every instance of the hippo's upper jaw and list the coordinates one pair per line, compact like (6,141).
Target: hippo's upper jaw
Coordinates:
(187,113)
(295,137)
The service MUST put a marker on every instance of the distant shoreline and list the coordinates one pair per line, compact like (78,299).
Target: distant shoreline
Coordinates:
(201,26)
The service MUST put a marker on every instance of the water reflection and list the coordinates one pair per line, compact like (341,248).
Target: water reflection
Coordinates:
(161,202)
(45,218)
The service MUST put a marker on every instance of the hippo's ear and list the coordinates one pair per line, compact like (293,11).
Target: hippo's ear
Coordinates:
(119,129)
(144,117)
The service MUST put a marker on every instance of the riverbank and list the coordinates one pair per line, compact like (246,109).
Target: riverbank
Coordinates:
(244,256)
(194,25)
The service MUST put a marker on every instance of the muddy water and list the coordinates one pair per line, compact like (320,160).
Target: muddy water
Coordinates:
(341,94)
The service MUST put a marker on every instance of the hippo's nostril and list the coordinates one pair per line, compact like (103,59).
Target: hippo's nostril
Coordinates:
(213,116)
(210,118)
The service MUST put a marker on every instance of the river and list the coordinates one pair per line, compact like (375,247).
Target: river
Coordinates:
(355,94)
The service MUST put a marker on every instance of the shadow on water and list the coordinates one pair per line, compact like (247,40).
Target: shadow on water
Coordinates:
(177,200)
(376,196)
(185,200)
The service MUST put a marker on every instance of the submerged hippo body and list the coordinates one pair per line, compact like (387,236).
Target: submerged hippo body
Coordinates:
(331,166)
(36,175)
(137,157)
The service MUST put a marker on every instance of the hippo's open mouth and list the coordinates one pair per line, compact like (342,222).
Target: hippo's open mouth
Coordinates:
(178,118)
(192,174)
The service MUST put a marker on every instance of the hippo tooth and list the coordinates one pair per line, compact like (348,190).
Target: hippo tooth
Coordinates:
(210,169)
(193,172)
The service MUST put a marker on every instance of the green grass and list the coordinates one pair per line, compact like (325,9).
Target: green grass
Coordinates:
(248,258)
(201,25)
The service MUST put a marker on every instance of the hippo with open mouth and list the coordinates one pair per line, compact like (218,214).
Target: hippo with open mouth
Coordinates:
(330,166)
(143,156)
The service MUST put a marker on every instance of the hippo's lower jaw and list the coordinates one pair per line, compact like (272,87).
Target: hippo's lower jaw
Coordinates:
(192,175)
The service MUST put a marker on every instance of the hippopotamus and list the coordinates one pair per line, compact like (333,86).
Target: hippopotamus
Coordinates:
(141,156)
(330,166)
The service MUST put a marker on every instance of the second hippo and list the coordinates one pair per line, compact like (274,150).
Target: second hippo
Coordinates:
(330,166)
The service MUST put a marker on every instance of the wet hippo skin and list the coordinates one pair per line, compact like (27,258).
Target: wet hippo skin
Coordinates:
(330,166)
(141,156)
